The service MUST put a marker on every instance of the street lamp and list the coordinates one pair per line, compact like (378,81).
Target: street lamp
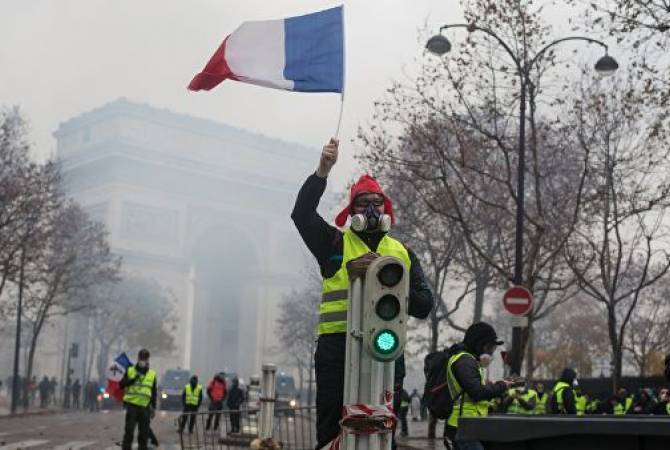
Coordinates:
(606,65)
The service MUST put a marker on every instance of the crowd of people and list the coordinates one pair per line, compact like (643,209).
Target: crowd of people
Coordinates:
(47,392)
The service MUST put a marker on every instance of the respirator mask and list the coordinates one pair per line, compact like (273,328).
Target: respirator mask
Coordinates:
(485,360)
(371,220)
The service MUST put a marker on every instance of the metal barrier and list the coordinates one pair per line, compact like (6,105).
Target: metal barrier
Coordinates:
(294,428)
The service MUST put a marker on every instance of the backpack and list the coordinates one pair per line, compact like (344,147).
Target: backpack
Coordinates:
(436,395)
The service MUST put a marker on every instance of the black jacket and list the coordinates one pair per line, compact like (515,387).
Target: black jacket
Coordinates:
(235,398)
(325,242)
(125,382)
(466,372)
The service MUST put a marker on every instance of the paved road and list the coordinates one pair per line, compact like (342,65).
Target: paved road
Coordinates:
(78,430)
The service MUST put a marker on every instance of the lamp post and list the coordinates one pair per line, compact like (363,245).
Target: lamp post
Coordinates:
(606,65)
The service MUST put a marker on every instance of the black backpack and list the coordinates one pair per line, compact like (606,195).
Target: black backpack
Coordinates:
(436,395)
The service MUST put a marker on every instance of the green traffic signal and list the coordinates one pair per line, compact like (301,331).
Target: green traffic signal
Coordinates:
(386,342)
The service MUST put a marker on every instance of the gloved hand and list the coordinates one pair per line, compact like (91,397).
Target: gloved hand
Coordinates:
(152,413)
(358,266)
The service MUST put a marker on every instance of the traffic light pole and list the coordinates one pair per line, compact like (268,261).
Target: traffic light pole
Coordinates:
(376,334)
(365,379)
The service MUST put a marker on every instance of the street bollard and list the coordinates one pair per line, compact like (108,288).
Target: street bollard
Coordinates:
(267,400)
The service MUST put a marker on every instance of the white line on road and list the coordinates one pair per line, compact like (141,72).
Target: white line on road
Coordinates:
(21,445)
(4,434)
(74,445)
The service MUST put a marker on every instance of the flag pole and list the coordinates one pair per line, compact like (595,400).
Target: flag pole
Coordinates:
(344,76)
(339,120)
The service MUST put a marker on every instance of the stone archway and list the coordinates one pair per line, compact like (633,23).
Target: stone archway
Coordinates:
(224,306)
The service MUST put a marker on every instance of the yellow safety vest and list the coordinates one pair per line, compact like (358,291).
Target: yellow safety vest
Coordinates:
(620,409)
(334,301)
(139,393)
(192,395)
(516,408)
(463,405)
(580,404)
(541,403)
(558,393)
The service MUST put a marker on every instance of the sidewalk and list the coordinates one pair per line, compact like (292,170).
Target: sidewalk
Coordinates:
(417,439)
(5,404)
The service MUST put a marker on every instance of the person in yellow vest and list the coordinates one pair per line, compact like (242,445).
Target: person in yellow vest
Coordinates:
(191,398)
(343,254)
(623,402)
(542,398)
(581,401)
(521,400)
(139,399)
(563,395)
(467,384)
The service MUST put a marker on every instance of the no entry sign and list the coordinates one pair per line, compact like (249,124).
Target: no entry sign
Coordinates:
(518,300)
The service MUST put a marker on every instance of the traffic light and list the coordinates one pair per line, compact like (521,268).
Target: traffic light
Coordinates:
(385,298)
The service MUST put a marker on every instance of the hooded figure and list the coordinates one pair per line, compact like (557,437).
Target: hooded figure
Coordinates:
(216,391)
(563,395)
(235,400)
(191,398)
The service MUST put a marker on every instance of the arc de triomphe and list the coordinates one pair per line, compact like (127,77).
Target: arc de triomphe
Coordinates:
(204,209)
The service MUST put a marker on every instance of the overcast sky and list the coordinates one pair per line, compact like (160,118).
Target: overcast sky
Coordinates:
(61,58)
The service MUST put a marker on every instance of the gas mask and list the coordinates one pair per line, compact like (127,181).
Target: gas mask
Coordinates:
(143,364)
(575,383)
(485,360)
(371,220)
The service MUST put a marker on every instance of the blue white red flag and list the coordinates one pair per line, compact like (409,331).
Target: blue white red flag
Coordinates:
(304,53)
(115,374)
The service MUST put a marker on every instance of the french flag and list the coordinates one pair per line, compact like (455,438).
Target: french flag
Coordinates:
(115,375)
(304,53)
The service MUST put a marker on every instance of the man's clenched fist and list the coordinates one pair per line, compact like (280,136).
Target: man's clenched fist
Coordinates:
(328,158)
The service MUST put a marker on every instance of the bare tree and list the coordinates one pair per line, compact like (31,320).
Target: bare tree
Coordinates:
(297,324)
(641,27)
(132,313)
(619,251)
(573,337)
(74,257)
(459,117)
(648,337)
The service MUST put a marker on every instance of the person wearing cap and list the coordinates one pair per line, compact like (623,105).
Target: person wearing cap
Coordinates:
(139,399)
(467,384)
(344,253)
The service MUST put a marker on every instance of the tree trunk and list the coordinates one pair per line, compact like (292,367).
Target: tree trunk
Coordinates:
(481,283)
(434,330)
(616,348)
(103,356)
(29,366)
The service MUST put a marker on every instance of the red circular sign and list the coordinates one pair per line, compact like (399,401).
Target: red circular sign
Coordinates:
(518,300)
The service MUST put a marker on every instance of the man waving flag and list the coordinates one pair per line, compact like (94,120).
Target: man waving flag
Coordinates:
(304,53)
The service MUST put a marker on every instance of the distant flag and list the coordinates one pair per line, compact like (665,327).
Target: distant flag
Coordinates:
(115,374)
(304,53)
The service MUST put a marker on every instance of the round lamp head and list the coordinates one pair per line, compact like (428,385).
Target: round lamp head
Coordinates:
(606,65)
(438,45)
(388,307)
(386,342)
